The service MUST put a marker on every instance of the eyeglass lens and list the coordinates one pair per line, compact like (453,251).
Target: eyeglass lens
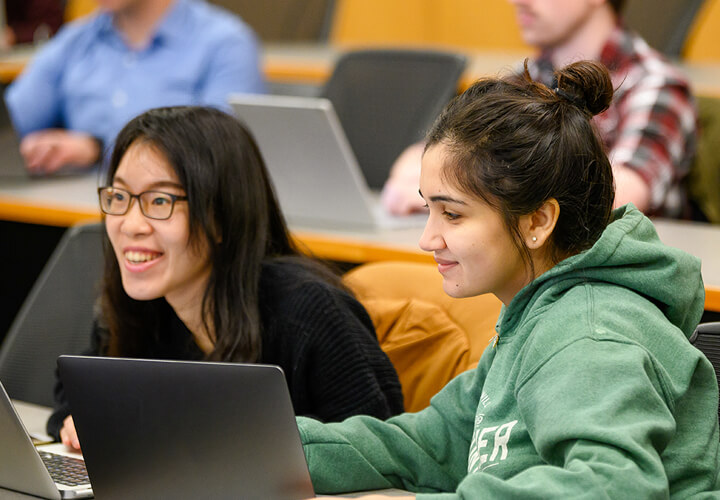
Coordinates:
(153,204)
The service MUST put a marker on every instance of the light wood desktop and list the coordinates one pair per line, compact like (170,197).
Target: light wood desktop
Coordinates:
(313,63)
(63,202)
(67,201)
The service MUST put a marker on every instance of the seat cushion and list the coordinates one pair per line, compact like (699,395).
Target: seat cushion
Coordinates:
(428,336)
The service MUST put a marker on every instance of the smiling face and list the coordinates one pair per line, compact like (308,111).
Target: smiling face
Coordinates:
(155,257)
(549,23)
(470,242)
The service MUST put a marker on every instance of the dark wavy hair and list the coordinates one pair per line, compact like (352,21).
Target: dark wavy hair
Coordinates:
(516,143)
(231,206)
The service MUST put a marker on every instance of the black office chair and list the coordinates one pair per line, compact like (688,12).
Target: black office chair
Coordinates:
(387,99)
(706,337)
(56,318)
(664,24)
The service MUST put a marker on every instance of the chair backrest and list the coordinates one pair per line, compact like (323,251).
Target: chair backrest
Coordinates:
(428,336)
(706,337)
(78,8)
(703,182)
(284,20)
(56,317)
(667,27)
(387,99)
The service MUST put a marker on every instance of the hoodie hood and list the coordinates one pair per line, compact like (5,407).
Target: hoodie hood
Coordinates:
(630,254)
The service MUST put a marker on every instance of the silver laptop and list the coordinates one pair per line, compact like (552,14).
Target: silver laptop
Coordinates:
(36,471)
(315,173)
(175,429)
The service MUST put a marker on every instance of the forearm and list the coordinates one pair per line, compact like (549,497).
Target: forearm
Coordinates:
(424,451)
(631,187)
(655,140)
(363,453)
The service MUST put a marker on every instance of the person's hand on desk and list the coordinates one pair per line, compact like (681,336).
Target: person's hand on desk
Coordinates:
(400,193)
(68,434)
(47,151)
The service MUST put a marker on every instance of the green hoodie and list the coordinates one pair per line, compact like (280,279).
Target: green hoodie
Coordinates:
(592,391)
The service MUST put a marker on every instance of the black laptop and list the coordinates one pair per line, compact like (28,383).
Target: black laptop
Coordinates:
(174,429)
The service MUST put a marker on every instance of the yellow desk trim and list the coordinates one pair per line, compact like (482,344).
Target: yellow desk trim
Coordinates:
(344,249)
(10,70)
(324,246)
(33,213)
(302,72)
(712,298)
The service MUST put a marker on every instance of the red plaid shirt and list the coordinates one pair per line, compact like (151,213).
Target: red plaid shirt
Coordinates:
(651,125)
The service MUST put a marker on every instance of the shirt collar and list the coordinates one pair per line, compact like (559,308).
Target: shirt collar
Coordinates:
(172,25)
(618,50)
(616,53)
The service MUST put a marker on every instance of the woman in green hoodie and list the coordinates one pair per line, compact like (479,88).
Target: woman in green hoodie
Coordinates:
(591,388)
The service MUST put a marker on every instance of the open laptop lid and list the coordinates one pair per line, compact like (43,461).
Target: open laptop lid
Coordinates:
(313,168)
(12,165)
(175,429)
(21,468)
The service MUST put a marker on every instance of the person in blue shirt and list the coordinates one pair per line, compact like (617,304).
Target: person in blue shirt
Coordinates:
(132,55)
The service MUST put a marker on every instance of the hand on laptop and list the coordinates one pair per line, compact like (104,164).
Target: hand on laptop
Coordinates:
(68,434)
(47,151)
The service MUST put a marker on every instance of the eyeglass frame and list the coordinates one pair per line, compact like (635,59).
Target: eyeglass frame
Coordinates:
(173,197)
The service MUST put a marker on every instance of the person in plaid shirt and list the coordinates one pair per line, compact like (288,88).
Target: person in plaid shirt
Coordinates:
(650,130)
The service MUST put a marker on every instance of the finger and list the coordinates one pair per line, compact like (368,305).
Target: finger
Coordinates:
(68,434)
(34,156)
(46,158)
(392,199)
(28,143)
(64,437)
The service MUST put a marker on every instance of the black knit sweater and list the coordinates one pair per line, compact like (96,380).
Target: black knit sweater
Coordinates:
(320,336)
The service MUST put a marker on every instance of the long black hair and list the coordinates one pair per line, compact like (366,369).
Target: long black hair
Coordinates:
(231,206)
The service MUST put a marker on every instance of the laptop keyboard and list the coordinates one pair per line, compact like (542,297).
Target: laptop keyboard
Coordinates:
(65,470)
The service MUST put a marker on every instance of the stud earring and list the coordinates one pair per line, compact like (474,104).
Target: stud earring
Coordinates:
(534,238)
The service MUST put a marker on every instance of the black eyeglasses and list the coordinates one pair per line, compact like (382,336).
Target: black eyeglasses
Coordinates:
(153,204)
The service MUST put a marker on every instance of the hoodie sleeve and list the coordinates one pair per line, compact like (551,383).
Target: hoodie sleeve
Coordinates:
(600,418)
(424,451)
(600,415)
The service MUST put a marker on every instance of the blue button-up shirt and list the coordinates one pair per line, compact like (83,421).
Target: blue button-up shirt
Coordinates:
(87,78)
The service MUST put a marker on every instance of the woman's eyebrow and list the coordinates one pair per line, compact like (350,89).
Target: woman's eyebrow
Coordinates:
(152,186)
(446,199)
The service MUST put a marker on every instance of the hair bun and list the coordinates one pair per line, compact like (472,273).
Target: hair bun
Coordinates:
(585,84)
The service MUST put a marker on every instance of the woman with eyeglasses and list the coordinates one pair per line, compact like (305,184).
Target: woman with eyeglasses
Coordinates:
(200,266)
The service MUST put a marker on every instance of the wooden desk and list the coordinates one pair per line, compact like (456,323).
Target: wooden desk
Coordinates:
(67,201)
(313,63)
